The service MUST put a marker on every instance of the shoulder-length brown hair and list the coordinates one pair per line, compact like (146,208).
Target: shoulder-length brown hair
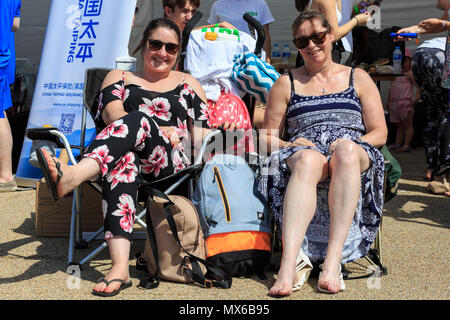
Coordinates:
(309,16)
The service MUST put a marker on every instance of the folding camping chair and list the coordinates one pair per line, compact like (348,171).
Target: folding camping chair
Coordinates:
(78,240)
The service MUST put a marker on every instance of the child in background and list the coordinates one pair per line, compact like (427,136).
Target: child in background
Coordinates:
(400,104)
(232,11)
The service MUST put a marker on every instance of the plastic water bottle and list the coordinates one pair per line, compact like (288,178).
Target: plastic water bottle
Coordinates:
(276,54)
(286,56)
(397,60)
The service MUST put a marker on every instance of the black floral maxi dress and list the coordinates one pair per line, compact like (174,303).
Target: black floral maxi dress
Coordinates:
(134,149)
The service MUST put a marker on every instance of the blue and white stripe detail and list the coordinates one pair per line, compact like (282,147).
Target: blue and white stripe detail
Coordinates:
(253,75)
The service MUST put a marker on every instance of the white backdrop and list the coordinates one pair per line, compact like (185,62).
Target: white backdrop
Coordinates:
(30,37)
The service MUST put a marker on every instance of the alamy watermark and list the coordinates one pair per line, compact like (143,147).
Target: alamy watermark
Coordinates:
(374,281)
(74,280)
(375,20)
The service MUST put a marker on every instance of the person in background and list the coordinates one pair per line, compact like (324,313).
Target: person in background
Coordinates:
(431,70)
(9,23)
(180,11)
(400,103)
(338,13)
(232,11)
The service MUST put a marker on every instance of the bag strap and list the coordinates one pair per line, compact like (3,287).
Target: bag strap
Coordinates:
(153,281)
(221,279)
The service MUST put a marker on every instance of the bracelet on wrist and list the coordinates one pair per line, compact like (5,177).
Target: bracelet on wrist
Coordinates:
(444,25)
(357,21)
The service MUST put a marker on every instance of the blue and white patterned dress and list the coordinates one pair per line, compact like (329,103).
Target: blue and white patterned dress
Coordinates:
(323,119)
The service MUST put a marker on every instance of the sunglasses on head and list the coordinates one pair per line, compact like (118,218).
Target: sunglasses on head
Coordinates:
(317,38)
(156,45)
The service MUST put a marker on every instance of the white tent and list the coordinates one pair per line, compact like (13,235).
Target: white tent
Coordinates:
(30,37)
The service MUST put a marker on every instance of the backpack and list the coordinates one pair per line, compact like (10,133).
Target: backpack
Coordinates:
(234,216)
(175,247)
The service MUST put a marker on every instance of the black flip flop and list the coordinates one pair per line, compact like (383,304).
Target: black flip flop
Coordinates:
(123,285)
(45,169)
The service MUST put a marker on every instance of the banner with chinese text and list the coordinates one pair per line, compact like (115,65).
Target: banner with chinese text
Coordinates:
(80,34)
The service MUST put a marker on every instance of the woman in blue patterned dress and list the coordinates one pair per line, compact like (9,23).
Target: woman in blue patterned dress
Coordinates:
(325,180)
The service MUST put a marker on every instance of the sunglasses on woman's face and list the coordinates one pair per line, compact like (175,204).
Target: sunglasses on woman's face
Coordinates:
(317,38)
(156,45)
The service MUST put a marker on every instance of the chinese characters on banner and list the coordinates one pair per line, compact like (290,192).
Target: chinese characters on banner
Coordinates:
(80,34)
(84,37)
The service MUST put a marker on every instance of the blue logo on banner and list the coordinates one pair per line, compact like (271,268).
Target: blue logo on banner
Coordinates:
(93,8)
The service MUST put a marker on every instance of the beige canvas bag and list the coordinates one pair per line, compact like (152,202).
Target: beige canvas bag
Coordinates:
(175,240)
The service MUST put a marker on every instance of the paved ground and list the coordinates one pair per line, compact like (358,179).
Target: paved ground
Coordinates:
(415,250)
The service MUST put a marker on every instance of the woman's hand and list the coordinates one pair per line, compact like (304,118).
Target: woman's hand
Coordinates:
(227,25)
(412,29)
(432,25)
(172,134)
(334,144)
(301,142)
(362,18)
(225,125)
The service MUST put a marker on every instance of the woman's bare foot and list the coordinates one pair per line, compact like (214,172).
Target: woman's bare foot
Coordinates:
(114,273)
(329,278)
(285,279)
(67,182)
(428,175)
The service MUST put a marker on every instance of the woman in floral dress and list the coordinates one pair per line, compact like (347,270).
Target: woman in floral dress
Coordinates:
(325,180)
(148,120)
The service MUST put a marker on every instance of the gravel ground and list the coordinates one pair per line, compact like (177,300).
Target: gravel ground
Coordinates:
(415,250)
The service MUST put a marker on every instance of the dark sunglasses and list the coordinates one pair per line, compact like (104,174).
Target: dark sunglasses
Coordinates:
(317,38)
(156,45)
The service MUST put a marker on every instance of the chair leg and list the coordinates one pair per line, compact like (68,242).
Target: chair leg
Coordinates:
(72,233)
(75,236)
(95,252)
(378,242)
(80,243)
(378,249)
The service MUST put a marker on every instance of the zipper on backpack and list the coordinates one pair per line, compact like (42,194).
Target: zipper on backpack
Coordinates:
(226,205)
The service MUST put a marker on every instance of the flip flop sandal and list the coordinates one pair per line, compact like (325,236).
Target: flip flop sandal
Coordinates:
(45,169)
(303,269)
(123,285)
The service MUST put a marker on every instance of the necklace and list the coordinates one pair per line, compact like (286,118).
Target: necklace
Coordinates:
(324,90)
